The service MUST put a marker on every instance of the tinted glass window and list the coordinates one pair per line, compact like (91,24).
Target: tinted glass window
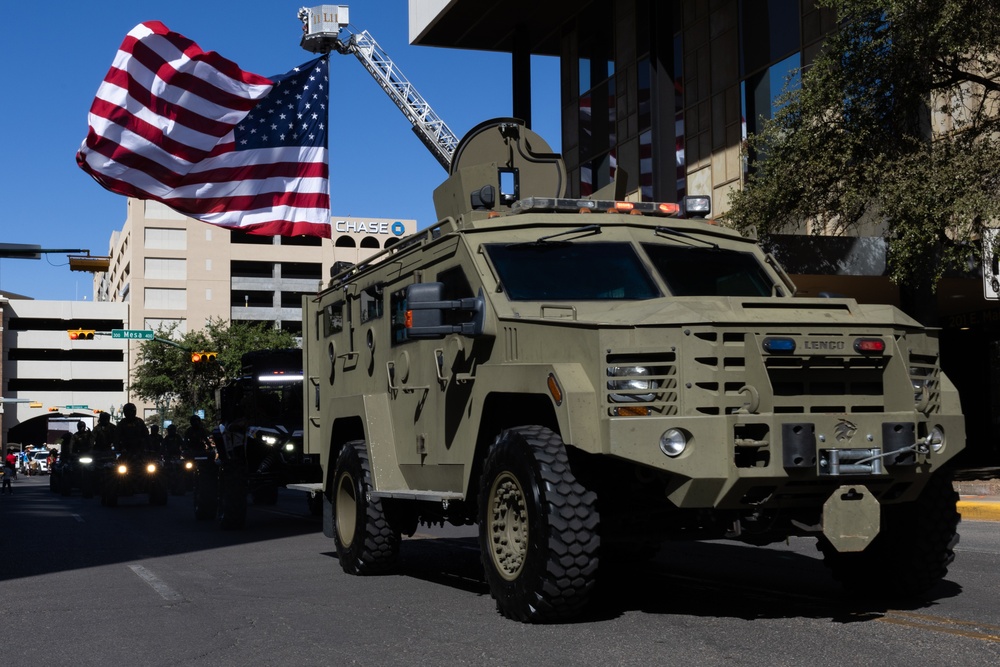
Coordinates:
(708,271)
(560,271)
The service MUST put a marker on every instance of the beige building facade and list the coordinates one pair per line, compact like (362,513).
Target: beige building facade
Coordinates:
(172,270)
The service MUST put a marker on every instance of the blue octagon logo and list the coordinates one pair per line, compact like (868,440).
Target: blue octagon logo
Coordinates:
(398,228)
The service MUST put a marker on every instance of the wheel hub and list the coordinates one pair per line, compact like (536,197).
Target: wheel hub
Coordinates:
(508,526)
(346,510)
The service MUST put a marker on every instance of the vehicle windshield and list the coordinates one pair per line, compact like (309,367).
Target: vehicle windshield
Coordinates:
(562,271)
(280,402)
(691,271)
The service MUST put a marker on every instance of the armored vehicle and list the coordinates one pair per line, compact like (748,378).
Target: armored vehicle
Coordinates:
(586,378)
(259,443)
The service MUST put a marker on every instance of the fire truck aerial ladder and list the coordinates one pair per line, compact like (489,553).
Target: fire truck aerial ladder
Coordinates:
(326,28)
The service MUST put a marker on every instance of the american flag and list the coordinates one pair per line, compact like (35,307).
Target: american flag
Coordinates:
(191,129)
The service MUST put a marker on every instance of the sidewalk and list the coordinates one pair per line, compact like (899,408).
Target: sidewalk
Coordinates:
(979,494)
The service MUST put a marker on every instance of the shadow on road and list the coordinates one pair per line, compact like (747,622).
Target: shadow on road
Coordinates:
(45,532)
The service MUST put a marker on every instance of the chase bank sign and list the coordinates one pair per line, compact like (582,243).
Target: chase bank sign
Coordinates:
(396,228)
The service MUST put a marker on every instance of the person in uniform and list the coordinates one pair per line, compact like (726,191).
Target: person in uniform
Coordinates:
(132,432)
(105,435)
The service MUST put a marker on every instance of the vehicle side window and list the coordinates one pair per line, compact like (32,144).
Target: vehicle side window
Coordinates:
(333,319)
(397,316)
(372,306)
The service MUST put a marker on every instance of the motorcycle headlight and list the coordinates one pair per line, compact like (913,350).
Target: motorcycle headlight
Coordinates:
(631,384)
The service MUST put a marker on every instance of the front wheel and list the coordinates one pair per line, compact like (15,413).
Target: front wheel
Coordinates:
(538,528)
(912,551)
(366,541)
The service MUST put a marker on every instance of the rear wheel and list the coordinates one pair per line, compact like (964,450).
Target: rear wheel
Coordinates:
(366,541)
(206,491)
(265,495)
(912,551)
(537,528)
(232,498)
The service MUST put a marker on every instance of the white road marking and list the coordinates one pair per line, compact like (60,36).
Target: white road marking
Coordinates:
(77,517)
(156,584)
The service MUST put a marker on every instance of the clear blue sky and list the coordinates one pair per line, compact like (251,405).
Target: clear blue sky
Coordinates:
(58,52)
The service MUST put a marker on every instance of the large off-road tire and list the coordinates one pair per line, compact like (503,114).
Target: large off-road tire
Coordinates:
(109,495)
(87,484)
(538,528)
(912,551)
(206,492)
(366,542)
(232,498)
(158,494)
(265,495)
(65,484)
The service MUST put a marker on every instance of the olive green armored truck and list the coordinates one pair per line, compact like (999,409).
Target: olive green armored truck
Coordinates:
(588,379)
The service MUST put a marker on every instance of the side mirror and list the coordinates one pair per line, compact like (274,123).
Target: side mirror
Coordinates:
(425,312)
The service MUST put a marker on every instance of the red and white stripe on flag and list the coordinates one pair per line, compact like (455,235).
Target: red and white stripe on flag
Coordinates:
(189,128)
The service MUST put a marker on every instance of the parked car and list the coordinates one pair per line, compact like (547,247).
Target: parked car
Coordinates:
(39,462)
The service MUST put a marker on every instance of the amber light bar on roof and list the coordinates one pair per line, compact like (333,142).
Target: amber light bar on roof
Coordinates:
(550,205)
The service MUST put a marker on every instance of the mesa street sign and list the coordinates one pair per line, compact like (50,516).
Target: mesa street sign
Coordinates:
(132,334)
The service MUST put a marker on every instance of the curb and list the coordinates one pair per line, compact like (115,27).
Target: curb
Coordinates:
(975,509)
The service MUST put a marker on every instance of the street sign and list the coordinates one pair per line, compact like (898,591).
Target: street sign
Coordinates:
(132,334)
(76,407)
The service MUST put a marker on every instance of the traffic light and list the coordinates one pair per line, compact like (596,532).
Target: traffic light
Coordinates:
(81,334)
(204,357)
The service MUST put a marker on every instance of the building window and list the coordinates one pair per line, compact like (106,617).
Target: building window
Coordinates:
(163,324)
(158,211)
(759,93)
(159,298)
(345,242)
(160,268)
(237,236)
(162,238)
(370,242)
(769,32)
(302,271)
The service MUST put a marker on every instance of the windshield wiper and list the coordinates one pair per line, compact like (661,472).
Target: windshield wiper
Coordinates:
(586,229)
(670,231)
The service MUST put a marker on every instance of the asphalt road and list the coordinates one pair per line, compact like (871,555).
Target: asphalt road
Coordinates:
(83,584)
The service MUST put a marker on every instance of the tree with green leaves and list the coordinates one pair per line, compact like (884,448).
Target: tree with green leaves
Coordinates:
(165,375)
(895,130)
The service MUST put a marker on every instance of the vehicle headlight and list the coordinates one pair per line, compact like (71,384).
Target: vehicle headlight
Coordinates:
(920,376)
(289,447)
(673,442)
(269,439)
(86,459)
(629,381)
(122,469)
